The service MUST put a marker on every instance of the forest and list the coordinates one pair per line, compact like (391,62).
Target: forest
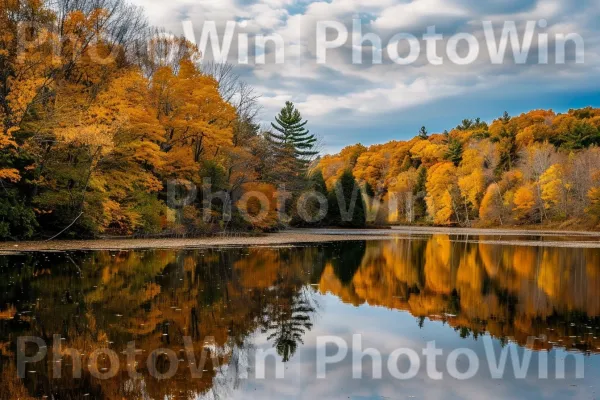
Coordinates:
(108,123)
(104,118)
(539,168)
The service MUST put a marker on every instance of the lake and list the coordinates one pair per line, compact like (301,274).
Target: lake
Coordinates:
(423,317)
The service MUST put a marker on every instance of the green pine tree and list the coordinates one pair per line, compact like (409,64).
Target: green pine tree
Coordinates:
(288,321)
(316,212)
(290,133)
(420,192)
(317,182)
(465,125)
(346,207)
(455,152)
(423,134)
(368,190)
(580,136)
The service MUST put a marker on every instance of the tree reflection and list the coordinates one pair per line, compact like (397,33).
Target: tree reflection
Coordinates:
(287,320)
(477,286)
(106,299)
(232,295)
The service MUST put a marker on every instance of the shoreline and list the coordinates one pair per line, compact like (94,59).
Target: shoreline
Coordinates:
(299,236)
(272,239)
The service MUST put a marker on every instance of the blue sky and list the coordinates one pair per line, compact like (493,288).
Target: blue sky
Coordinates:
(369,103)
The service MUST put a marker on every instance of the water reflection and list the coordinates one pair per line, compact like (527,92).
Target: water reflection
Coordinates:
(508,291)
(237,295)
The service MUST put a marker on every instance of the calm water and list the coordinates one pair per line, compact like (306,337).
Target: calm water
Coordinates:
(395,293)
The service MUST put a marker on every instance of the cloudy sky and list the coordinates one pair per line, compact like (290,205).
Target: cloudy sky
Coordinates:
(372,103)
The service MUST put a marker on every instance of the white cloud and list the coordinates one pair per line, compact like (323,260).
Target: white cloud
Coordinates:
(413,13)
(323,92)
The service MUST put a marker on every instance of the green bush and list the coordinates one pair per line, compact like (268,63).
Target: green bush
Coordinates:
(17,221)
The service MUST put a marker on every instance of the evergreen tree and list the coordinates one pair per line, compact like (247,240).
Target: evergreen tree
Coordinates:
(288,322)
(345,260)
(312,207)
(420,192)
(508,151)
(368,190)
(423,134)
(580,136)
(318,182)
(346,208)
(465,125)
(290,133)
(455,152)
(421,180)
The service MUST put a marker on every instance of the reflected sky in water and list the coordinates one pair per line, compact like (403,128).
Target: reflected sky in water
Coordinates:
(395,293)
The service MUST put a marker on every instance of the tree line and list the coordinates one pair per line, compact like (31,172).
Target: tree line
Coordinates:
(100,113)
(104,120)
(540,167)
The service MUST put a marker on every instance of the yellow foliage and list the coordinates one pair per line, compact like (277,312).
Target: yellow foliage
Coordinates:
(440,203)
(333,166)
(524,202)
(10,174)
(437,264)
(491,205)
(472,187)
(526,137)
(380,164)
(428,153)
(197,122)
(405,182)
(553,186)
(594,197)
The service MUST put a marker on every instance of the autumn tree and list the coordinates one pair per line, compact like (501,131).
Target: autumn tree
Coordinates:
(555,190)
(524,203)
(471,182)
(196,120)
(403,194)
(441,192)
(594,207)
(491,210)
(333,166)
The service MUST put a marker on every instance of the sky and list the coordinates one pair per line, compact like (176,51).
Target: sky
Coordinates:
(347,103)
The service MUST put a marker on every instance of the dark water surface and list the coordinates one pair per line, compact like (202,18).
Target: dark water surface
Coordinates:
(230,304)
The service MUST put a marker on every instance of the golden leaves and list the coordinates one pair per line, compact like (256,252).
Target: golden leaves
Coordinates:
(440,182)
(524,202)
(10,174)
(553,186)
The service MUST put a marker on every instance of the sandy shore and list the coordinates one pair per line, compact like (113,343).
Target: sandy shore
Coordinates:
(490,236)
(118,244)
